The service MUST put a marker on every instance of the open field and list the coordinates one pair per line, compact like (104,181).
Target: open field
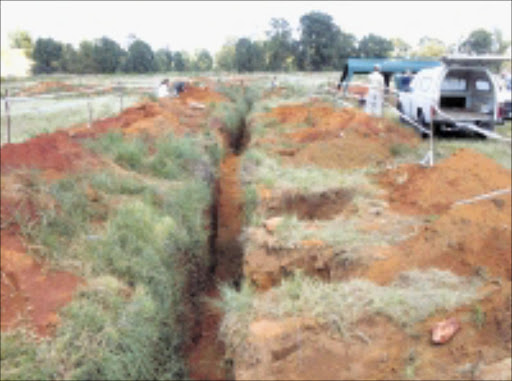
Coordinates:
(240,231)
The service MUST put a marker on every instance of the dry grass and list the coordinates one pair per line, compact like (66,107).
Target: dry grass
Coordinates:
(411,298)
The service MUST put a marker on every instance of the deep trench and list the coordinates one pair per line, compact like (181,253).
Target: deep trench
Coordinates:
(207,357)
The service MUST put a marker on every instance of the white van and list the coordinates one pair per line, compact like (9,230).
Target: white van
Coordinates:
(461,91)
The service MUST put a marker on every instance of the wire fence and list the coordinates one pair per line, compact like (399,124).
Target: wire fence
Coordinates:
(90,102)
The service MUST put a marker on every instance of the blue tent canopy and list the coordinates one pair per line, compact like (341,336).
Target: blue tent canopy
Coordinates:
(388,67)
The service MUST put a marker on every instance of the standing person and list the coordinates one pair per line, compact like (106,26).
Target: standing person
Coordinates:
(375,95)
(273,85)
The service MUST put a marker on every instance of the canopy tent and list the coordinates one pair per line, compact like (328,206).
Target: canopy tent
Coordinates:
(388,67)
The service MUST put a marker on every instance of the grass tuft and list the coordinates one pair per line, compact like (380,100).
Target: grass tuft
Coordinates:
(411,298)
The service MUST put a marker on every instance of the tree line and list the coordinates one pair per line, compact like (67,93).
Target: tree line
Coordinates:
(322,45)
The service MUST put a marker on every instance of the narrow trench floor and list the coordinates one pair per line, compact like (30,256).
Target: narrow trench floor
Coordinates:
(206,359)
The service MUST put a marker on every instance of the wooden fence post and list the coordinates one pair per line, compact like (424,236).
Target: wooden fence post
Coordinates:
(8,115)
(89,107)
(121,96)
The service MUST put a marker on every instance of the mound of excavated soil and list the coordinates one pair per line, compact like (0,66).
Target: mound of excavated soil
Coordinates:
(168,114)
(465,174)
(201,94)
(55,151)
(131,120)
(466,239)
(337,138)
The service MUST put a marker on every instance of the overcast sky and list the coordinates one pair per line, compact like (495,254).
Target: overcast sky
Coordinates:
(192,25)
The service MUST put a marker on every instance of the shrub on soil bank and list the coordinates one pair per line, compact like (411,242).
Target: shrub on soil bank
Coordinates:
(128,153)
(112,183)
(411,298)
(143,261)
(234,114)
(61,221)
(175,157)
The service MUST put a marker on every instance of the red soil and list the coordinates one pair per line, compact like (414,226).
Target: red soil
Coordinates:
(201,94)
(338,138)
(465,238)
(358,90)
(465,174)
(54,151)
(31,293)
(168,114)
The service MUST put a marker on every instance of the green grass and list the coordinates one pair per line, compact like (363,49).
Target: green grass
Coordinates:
(112,183)
(129,153)
(260,168)
(478,316)
(411,298)
(233,114)
(60,222)
(130,321)
(147,252)
(175,157)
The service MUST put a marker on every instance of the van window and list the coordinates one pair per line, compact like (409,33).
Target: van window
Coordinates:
(425,83)
(454,84)
(482,85)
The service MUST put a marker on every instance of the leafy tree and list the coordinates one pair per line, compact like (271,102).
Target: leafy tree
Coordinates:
(258,61)
(373,46)
(249,56)
(20,39)
(317,42)
(225,57)
(204,61)
(179,61)
(86,61)
(140,58)
(400,48)
(280,44)
(107,55)
(346,47)
(182,61)
(243,55)
(430,48)
(69,60)
(500,45)
(479,41)
(47,54)
(163,58)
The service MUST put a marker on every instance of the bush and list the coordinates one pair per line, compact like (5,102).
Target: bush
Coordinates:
(112,183)
(175,157)
(129,153)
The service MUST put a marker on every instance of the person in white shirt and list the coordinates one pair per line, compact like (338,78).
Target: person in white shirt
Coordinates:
(375,95)
(163,89)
